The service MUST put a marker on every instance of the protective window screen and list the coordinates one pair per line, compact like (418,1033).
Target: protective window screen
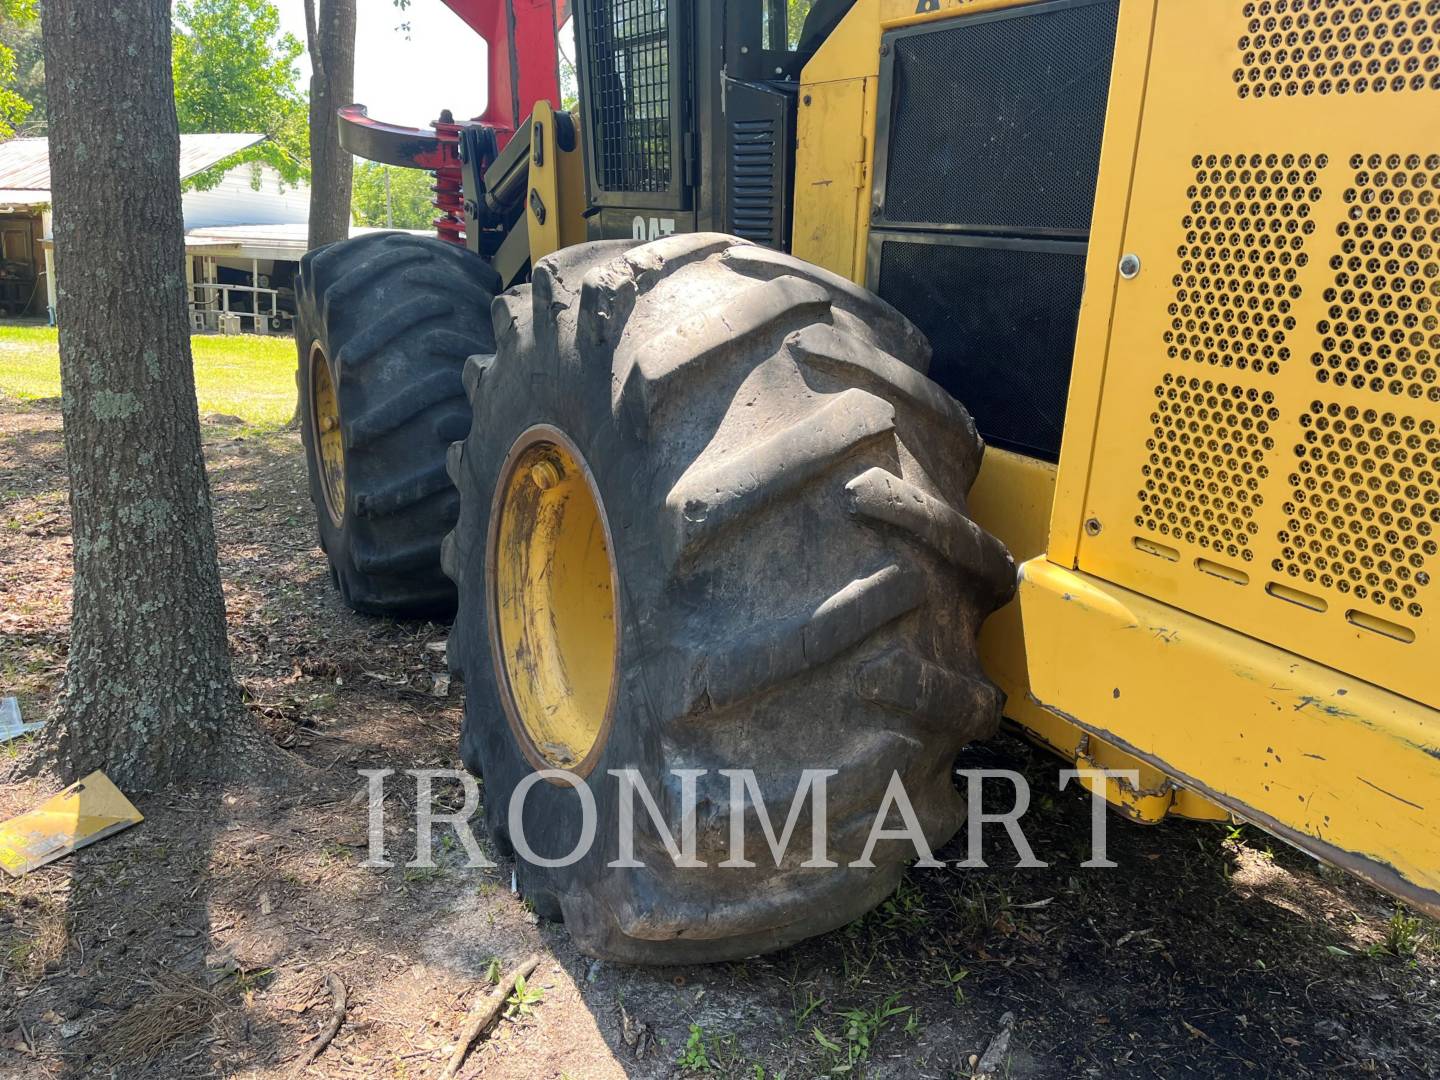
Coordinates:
(1001,321)
(629,56)
(997,122)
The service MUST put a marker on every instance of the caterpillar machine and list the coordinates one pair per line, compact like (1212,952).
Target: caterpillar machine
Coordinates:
(668,417)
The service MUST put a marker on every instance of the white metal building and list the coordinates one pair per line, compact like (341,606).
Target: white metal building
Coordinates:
(245,270)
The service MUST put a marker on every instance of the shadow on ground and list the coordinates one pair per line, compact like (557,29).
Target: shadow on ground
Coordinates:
(197,944)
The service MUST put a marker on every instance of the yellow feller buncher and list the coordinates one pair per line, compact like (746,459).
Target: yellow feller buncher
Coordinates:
(669,417)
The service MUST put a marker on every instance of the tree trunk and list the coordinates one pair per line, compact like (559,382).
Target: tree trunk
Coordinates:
(148,692)
(332,84)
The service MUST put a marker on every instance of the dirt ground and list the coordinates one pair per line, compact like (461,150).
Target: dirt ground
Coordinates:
(198,943)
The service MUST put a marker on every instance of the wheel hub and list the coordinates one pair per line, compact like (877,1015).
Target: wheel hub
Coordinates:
(552,587)
(329,440)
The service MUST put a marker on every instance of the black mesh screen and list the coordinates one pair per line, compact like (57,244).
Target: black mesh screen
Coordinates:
(628,48)
(998,122)
(1002,324)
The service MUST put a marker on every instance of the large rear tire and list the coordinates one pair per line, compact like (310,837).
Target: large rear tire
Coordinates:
(713,517)
(384,324)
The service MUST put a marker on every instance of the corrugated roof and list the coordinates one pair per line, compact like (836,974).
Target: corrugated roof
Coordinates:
(25,163)
(199,152)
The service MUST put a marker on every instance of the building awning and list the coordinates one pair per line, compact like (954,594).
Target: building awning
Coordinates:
(12,199)
(284,242)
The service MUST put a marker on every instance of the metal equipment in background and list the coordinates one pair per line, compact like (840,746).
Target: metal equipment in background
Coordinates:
(1178,260)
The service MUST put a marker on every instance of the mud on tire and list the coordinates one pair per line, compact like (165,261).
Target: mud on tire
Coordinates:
(395,316)
(799,583)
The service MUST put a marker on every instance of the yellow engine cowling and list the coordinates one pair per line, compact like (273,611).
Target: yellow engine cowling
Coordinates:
(1228,574)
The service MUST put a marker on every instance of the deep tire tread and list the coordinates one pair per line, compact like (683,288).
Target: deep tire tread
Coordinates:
(802,586)
(710,499)
(784,650)
(398,315)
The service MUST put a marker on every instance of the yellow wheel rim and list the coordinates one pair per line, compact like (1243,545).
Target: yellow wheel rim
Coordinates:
(329,440)
(552,588)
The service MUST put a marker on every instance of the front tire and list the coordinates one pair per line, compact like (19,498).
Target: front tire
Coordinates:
(793,583)
(384,323)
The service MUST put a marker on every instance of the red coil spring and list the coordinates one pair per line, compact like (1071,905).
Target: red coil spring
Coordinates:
(449,192)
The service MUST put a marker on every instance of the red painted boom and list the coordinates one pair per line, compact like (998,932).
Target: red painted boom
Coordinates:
(524,58)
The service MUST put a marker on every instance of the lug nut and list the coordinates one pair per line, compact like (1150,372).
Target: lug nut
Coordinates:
(545,474)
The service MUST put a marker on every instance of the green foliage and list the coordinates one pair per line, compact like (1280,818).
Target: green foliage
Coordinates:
(953,980)
(410,196)
(18,23)
(235,71)
(523,999)
(693,1058)
(795,12)
(862,1028)
(705,1053)
(1404,934)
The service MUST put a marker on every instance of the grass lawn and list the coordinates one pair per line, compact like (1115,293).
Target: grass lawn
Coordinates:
(246,375)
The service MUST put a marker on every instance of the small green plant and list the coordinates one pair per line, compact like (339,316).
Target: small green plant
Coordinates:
(247,981)
(523,998)
(953,979)
(862,1028)
(905,910)
(13,748)
(420,874)
(694,1057)
(492,971)
(857,958)
(332,851)
(811,1004)
(1403,934)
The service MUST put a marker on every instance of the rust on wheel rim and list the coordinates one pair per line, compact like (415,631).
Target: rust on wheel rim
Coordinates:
(329,441)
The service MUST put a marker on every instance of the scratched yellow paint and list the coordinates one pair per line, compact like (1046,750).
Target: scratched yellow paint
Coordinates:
(1318,724)
(1332,762)
(553,595)
(557,178)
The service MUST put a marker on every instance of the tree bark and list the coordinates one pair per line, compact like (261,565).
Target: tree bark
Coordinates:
(148,692)
(331,38)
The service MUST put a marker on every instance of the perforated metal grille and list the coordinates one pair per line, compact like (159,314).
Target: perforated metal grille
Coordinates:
(1206,463)
(1381,331)
(628,51)
(1314,281)
(1306,47)
(1243,249)
(1364,508)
